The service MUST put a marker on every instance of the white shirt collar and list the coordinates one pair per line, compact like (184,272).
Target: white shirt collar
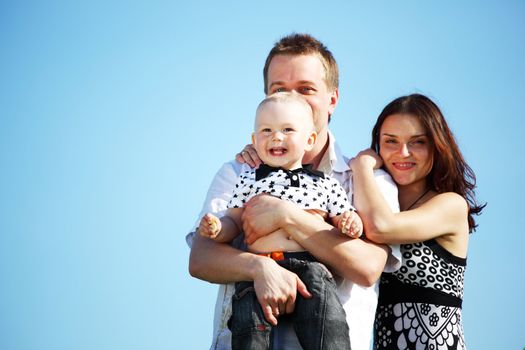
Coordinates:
(333,160)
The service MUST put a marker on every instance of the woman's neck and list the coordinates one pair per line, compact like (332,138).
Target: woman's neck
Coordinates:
(412,195)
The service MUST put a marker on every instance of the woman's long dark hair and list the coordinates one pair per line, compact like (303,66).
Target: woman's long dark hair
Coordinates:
(450,172)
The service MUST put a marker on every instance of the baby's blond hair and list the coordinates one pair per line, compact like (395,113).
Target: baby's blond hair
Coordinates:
(285,97)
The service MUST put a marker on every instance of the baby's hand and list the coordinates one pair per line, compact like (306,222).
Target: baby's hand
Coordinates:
(210,226)
(351,224)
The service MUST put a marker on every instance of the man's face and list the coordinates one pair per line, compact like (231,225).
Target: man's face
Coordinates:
(304,74)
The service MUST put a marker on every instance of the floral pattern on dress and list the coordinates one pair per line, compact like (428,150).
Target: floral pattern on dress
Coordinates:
(419,326)
(406,324)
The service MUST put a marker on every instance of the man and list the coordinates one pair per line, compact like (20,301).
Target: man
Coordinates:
(302,64)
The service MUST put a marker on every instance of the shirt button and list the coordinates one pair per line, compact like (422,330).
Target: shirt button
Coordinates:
(294,177)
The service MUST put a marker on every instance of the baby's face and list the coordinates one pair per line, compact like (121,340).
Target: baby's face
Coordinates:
(284,131)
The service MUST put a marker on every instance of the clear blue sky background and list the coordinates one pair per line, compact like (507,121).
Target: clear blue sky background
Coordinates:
(115,115)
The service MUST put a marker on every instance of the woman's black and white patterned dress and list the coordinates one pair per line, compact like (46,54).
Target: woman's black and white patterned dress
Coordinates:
(420,304)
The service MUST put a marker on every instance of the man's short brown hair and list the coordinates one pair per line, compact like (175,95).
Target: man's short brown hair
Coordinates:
(304,44)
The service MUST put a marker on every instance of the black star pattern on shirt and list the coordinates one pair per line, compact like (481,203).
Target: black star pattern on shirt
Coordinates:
(322,193)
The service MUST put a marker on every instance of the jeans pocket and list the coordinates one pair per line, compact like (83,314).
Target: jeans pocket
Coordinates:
(247,313)
(249,328)
(243,288)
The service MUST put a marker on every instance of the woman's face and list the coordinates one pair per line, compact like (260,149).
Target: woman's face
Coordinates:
(406,149)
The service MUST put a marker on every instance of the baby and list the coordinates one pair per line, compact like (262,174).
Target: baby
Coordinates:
(284,130)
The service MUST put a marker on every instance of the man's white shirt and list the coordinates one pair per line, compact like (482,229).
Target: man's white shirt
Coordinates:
(359,302)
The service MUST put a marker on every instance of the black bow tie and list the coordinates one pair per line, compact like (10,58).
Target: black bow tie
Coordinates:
(264,170)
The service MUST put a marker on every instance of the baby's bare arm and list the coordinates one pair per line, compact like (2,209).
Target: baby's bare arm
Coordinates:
(224,229)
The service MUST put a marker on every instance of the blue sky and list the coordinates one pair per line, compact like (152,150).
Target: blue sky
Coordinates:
(115,115)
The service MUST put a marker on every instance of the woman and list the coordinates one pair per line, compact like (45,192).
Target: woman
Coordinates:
(420,304)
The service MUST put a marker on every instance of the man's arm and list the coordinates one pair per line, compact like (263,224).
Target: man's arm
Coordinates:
(217,262)
(276,288)
(358,260)
(221,263)
(212,261)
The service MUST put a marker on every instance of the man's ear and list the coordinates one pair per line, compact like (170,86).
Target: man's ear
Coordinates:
(253,139)
(334,99)
(311,141)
